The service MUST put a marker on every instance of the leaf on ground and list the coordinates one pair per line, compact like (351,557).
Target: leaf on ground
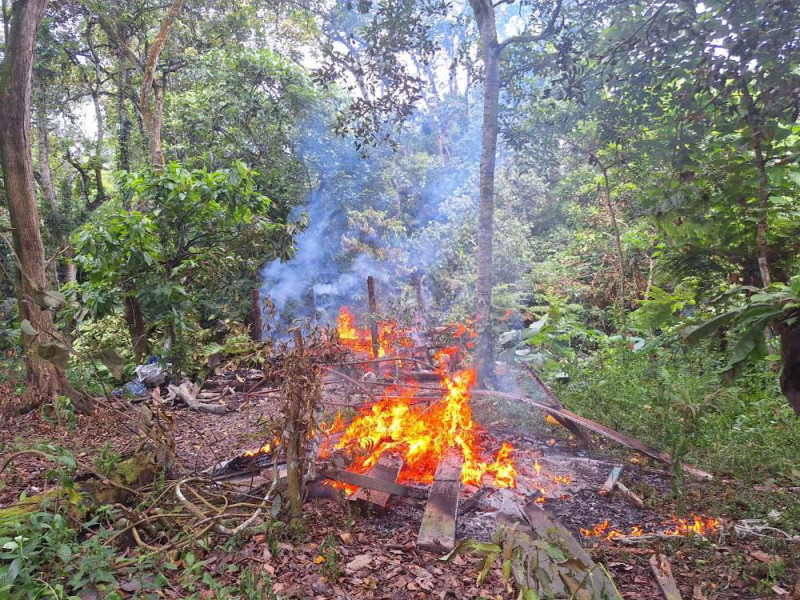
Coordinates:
(359,562)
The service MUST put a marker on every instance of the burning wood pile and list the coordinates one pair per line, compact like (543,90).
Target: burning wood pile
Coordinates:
(410,437)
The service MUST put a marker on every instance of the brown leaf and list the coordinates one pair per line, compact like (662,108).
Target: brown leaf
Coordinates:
(763,557)
(359,562)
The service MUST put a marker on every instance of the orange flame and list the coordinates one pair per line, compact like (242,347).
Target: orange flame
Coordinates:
(696,525)
(421,436)
(391,337)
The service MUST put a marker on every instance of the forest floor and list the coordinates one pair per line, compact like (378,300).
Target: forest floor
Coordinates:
(345,554)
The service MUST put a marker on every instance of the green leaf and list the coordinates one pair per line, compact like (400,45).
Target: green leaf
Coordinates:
(54,352)
(695,334)
(64,553)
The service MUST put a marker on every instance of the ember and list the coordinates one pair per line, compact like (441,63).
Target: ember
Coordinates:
(696,525)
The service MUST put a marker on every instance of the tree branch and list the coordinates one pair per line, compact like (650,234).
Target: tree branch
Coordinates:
(546,32)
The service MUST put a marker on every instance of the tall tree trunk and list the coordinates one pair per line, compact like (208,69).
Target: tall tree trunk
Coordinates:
(44,378)
(763,204)
(153,113)
(484,350)
(49,189)
(617,243)
(123,122)
(136,328)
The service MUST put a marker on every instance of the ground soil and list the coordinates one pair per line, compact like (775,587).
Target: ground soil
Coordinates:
(375,554)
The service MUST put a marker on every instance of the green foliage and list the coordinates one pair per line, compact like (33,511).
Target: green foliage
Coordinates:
(200,225)
(43,557)
(670,397)
(749,321)
(330,565)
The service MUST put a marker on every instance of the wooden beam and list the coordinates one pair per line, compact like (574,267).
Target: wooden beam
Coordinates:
(611,482)
(387,469)
(630,495)
(663,574)
(580,574)
(623,439)
(571,426)
(437,533)
(372,483)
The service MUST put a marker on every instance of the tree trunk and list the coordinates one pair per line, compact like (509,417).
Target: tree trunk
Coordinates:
(123,122)
(763,203)
(484,351)
(790,377)
(44,378)
(153,113)
(49,189)
(136,327)
(617,243)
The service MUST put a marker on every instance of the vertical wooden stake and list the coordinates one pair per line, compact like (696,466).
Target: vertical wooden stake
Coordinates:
(420,316)
(312,306)
(298,340)
(258,323)
(373,315)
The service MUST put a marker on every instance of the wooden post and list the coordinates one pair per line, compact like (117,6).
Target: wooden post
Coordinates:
(373,315)
(420,315)
(258,324)
(438,530)
(312,306)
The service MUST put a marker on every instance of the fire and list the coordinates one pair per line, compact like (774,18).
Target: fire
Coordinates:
(421,436)
(265,449)
(391,337)
(696,525)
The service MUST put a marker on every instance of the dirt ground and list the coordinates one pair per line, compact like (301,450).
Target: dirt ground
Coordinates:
(374,554)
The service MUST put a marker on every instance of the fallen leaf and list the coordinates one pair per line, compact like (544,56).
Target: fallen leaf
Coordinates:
(359,562)
(697,592)
(320,559)
(346,537)
(763,557)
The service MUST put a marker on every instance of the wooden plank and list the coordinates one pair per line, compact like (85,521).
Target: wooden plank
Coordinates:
(372,305)
(372,483)
(584,577)
(611,482)
(437,532)
(386,469)
(630,495)
(663,574)
(623,439)
(571,426)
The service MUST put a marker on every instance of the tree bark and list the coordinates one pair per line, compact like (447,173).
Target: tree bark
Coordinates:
(790,355)
(136,327)
(617,242)
(484,349)
(70,272)
(45,380)
(153,112)
(762,247)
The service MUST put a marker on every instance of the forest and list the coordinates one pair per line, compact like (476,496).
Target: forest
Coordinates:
(400,299)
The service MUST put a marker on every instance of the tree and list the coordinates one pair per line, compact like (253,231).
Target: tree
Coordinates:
(492,49)
(45,378)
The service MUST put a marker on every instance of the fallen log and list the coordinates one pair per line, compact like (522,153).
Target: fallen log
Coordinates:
(187,393)
(582,576)
(572,427)
(663,574)
(372,483)
(621,438)
(93,490)
(437,533)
